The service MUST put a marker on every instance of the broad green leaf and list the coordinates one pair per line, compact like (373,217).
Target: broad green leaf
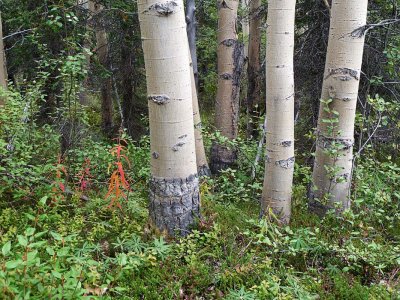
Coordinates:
(6,248)
(56,236)
(31,256)
(12,264)
(50,251)
(30,231)
(22,240)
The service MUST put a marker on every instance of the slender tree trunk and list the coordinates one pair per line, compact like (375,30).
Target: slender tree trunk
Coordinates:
(3,63)
(191,33)
(335,130)
(201,158)
(279,163)
(230,64)
(83,96)
(174,185)
(245,27)
(106,85)
(202,164)
(253,68)
(128,107)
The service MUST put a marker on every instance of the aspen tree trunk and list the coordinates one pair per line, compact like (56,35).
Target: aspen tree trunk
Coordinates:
(334,153)
(191,33)
(3,64)
(106,85)
(202,164)
(279,163)
(230,64)
(174,186)
(201,158)
(253,67)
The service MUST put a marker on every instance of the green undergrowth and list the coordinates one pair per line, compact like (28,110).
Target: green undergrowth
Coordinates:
(61,239)
(74,249)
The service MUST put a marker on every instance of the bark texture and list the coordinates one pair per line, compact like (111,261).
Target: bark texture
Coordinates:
(106,85)
(174,192)
(253,67)
(191,33)
(279,162)
(230,65)
(245,26)
(332,173)
(177,214)
(3,64)
(201,158)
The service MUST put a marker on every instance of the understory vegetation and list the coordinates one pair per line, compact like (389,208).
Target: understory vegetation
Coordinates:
(64,235)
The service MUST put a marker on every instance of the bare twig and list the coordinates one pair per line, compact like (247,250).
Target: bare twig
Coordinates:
(18,32)
(363,30)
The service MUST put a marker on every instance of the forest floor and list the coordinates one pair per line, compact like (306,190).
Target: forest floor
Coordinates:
(56,245)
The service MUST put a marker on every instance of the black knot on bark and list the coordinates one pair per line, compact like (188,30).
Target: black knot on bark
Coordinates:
(287,143)
(226,76)
(286,163)
(159,99)
(343,74)
(164,9)
(229,42)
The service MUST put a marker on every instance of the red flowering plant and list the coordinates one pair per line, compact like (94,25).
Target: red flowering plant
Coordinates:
(118,187)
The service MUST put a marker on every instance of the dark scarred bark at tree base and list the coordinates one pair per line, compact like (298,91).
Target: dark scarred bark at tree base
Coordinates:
(174,204)
(222,158)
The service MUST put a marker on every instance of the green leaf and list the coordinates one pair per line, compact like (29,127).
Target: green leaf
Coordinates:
(50,251)
(56,274)
(30,231)
(6,248)
(38,244)
(13,264)
(42,201)
(31,255)
(56,236)
(22,240)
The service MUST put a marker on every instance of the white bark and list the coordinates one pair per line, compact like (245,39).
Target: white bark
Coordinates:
(230,64)
(174,192)
(341,82)
(201,158)
(279,163)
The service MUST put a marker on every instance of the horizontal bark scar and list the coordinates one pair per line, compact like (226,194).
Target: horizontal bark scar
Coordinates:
(344,74)
(229,42)
(159,99)
(226,76)
(286,144)
(164,9)
(327,143)
(286,163)
(176,147)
